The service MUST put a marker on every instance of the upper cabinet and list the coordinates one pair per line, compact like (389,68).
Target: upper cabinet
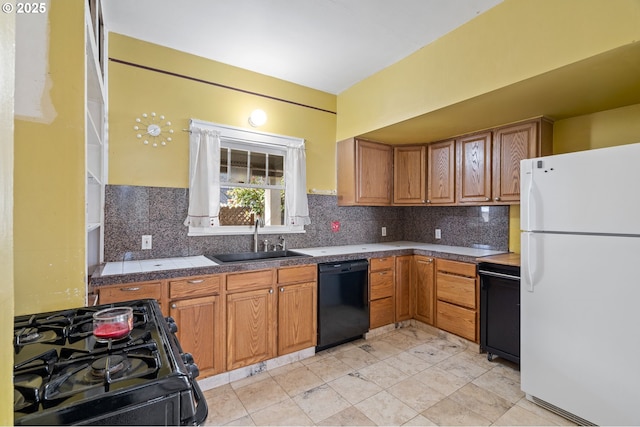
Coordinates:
(409,175)
(473,155)
(512,144)
(95,136)
(481,168)
(364,173)
(441,173)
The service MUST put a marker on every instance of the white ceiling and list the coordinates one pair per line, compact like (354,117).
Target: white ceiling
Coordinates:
(327,45)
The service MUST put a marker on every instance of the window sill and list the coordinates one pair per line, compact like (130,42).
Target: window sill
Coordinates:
(244,230)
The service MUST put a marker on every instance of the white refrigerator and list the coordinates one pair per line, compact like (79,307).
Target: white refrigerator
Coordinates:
(580,284)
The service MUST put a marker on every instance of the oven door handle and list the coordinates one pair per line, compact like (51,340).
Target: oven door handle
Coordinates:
(500,275)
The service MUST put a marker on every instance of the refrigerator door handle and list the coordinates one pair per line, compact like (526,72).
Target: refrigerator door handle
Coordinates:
(529,206)
(528,264)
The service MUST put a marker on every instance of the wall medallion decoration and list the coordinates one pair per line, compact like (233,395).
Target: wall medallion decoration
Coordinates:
(153,129)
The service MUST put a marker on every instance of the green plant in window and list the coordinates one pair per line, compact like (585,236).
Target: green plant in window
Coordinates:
(252,198)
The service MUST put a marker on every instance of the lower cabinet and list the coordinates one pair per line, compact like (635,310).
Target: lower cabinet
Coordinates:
(251,318)
(132,291)
(424,285)
(263,324)
(381,292)
(200,331)
(403,285)
(297,308)
(457,298)
(197,307)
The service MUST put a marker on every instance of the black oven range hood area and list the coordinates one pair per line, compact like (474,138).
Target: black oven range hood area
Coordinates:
(62,375)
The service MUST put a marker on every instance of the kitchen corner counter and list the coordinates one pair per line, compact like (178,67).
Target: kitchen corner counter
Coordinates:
(111,273)
(510,258)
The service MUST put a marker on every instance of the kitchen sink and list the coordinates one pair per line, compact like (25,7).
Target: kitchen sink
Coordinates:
(254,256)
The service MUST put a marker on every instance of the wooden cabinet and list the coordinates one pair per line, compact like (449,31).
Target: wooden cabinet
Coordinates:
(441,173)
(381,292)
(424,285)
(457,298)
(473,179)
(403,289)
(364,171)
(196,305)
(514,143)
(297,308)
(132,291)
(251,318)
(409,175)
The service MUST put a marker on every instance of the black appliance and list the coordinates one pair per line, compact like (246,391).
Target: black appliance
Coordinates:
(500,310)
(343,302)
(62,375)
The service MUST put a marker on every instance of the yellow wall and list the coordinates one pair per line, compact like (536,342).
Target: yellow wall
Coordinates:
(7,75)
(598,130)
(49,213)
(514,41)
(133,91)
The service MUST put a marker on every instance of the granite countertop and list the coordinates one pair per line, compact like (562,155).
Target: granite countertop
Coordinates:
(509,258)
(167,268)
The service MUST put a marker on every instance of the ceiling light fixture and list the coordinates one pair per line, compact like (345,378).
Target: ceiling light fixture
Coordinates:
(257,118)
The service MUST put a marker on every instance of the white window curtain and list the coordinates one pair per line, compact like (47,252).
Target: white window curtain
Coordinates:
(296,182)
(204,179)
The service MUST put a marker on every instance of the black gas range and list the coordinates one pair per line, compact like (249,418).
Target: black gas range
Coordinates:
(62,375)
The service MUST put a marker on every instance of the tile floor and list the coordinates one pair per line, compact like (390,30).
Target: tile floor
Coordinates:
(409,376)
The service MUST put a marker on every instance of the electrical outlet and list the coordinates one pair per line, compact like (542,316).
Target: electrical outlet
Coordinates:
(146,242)
(384,231)
(438,233)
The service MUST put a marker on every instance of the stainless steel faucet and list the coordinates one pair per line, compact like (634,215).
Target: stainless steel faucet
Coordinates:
(281,243)
(255,236)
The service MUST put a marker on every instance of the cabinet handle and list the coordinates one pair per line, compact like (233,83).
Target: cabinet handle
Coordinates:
(133,289)
(174,306)
(428,201)
(271,290)
(281,289)
(486,199)
(497,199)
(195,282)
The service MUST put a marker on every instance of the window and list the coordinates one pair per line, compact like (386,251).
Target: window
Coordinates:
(251,185)
(251,181)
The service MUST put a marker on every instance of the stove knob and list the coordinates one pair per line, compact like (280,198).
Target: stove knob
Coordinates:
(173,327)
(187,358)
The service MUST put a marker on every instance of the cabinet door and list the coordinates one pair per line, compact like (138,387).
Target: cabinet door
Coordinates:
(424,284)
(296,317)
(200,331)
(381,312)
(474,168)
(374,164)
(511,145)
(441,173)
(403,287)
(409,175)
(250,327)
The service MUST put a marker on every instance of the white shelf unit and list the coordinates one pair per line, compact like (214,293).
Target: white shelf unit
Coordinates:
(96,142)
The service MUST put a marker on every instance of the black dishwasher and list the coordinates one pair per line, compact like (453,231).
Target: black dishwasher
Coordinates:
(343,302)
(500,310)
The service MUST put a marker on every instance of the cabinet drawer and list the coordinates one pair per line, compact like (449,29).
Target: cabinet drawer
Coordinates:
(381,284)
(195,286)
(457,320)
(456,289)
(130,291)
(297,274)
(381,263)
(249,280)
(381,312)
(456,267)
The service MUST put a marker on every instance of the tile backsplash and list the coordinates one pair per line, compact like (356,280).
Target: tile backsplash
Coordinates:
(133,211)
